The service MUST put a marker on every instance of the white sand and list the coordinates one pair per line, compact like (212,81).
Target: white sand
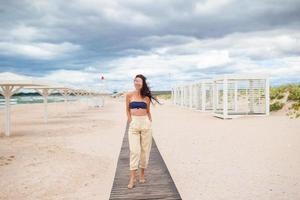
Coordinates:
(75,157)
(245,158)
(71,157)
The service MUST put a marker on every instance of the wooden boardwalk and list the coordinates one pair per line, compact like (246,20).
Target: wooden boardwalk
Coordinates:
(159,183)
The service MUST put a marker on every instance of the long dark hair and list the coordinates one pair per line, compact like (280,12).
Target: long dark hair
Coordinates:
(145,91)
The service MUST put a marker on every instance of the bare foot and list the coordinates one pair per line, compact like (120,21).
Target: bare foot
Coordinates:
(142,175)
(131,183)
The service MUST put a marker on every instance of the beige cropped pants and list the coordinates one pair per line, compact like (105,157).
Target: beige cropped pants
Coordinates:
(140,141)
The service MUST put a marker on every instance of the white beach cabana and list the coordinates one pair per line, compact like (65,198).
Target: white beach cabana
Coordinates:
(226,96)
(202,95)
(9,88)
(176,95)
(238,95)
(197,95)
(180,95)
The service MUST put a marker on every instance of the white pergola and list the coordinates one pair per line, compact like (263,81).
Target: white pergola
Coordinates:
(238,95)
(94,100)
(79,93)
(227,96)
(9,88)
(65,92)
(91,97)
(45,92)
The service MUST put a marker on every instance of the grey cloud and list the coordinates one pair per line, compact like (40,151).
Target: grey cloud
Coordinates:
(107,31)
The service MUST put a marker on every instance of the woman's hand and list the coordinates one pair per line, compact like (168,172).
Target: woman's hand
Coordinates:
(129,120)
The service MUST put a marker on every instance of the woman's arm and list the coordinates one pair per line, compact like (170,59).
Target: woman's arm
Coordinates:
(148,109)
(127,107)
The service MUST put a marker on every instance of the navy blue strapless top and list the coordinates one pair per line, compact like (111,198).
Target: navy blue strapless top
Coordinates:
(138,104)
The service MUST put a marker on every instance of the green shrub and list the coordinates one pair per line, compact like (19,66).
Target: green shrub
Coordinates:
(164,96)
(276,106)
(294,92)
(296,106)
(277,92)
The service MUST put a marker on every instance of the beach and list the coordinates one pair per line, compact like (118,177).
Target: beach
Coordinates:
(71,157)
(75,156)
(244,158)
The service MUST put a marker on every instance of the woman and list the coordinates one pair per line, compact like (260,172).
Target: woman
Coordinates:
(140,127)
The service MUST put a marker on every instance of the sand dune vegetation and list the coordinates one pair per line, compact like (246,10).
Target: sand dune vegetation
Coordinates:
(286,98)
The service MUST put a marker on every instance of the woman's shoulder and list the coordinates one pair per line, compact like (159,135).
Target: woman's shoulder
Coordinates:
(129,94)
(147,99)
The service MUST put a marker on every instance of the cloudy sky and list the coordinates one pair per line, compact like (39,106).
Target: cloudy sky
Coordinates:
(74,42)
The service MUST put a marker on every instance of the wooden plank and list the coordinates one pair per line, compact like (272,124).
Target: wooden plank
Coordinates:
(159,183)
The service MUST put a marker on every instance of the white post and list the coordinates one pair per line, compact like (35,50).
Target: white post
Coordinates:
(66,103)
(190,96)
(183,96)
(259,94)
(91,98)
(173,95)
(102,88)
(65,94)
(203,97)
(247,98)
(251,100)
(217,96)
(225,98)
(267,96)
(211,95)
(45,94)
(87,96)
(196,95)
(179,95)
(187,96)
(198,106)
(235,96)
(8,91)
(214,96)
(176,95)
(7,113)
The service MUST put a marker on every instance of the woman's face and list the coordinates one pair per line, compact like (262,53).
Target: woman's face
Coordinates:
(138,83)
